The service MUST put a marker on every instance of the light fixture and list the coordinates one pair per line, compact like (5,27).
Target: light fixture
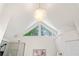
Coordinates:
(40,14)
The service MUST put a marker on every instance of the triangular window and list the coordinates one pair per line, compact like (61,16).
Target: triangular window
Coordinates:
(41,30)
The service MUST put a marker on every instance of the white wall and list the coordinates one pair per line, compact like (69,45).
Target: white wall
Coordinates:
(67,43)
(31,43)
(47,43)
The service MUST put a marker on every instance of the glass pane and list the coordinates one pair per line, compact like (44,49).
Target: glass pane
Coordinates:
(45,31)
(33,32)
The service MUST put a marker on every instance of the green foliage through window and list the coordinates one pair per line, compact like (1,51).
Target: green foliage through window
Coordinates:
(33,32)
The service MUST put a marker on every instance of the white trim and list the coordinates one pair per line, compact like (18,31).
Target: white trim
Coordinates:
(39,24)
(51,27)
(44,23)
(48,27)
(30,27)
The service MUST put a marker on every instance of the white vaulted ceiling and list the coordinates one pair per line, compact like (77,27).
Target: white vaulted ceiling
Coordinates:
(61,16)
